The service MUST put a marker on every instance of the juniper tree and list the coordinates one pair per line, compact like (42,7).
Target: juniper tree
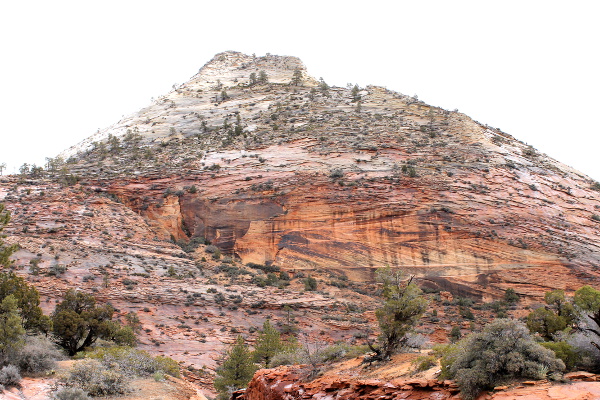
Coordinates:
(78,322)
(297,77)
(267,345)
(587,299)
(236,371)
(403,306)
(558,315)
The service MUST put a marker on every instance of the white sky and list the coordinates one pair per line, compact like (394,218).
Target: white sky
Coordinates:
(530,68)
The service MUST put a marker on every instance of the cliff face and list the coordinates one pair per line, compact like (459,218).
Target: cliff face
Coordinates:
(307,176)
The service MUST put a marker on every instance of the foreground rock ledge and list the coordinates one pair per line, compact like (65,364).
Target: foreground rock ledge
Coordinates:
(286,383)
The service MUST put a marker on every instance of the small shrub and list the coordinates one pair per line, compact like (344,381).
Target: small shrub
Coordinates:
(455,334)
(466,313)
(211,248)
(158,376)
(504,350)
(10,376)
(73,393)
(336,173)
(315,355)
(286,358)
(423,363)
(96,379)
(310,284)
(38,355)
(57,270)
(340,351)
(134,362)
(510,296)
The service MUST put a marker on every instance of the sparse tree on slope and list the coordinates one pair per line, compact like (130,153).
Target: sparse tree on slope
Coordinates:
(236,371)
(262,77)
(5,250)
(403,306)
(297,77)
(78,323)
(267,345)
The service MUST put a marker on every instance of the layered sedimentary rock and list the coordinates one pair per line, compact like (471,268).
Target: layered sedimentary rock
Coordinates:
(304,176)
(290,383)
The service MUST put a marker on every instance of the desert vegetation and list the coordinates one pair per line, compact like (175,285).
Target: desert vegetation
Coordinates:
(31,342)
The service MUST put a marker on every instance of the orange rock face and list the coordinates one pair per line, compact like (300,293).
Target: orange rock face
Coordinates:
(287,383)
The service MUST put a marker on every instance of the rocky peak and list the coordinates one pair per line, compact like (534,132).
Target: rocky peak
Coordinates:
(307,175)
(193,107)
(232,68)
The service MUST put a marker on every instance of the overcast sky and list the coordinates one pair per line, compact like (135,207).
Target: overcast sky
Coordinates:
(530,68)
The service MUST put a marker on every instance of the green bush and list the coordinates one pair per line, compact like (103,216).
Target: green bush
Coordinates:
(310,284)
(455,334)
(565,352)
(510,296)
(504,350)
(134,362)
(423,363)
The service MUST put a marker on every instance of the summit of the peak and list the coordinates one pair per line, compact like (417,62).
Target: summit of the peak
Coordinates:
(233,67)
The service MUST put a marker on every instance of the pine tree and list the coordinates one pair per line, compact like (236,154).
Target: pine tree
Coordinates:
(12,333)
(267,345)
(28,301)
(355,91)
(262,77)
(297,78)
(236,371)
(5,251)
(253,78)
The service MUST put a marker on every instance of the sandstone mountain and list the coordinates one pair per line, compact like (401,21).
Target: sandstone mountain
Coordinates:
(305,176)
(254,159)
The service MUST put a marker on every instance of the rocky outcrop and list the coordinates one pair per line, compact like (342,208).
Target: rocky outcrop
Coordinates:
(287,383)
